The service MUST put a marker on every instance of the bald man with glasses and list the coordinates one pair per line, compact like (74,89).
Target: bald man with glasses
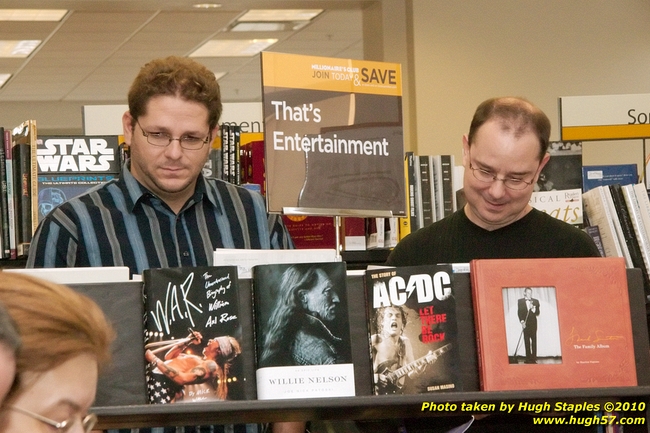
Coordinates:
(503,155)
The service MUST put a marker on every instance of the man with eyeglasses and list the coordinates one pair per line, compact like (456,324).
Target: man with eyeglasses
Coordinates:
(503,155)
(161,211)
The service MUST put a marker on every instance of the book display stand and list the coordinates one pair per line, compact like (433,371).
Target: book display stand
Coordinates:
(121,400)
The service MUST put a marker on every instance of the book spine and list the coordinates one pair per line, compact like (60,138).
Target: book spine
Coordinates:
(436,187)
(447,183)
(639,231)
(599,215)
(4,216)
(225,151)
(623,227)
(22,195)
(33,177)
(11,206)
(232,152)
(425,191)
(405,222)
(413,191)
(236,130)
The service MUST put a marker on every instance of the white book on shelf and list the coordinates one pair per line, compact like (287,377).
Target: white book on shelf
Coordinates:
(640,229)
(618,230)
(599,214)
(644,204)
(104,274)
(246,259)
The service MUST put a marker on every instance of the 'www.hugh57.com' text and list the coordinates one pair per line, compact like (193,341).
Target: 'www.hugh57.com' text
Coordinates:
(584,414)
(524,406)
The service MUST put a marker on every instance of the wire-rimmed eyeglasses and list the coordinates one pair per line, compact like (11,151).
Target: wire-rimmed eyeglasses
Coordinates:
(489,177)
(162,139)
(87,422)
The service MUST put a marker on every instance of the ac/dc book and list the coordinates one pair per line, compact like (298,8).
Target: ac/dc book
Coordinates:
(302,331)
(193,335)
(553,323)
(413,330)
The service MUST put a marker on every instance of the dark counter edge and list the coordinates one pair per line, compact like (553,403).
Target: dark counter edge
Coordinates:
(348,408)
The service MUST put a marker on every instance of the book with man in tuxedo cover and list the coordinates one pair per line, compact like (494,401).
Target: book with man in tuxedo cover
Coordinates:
(193,335)
(553,323)
(413,329)
(302,331)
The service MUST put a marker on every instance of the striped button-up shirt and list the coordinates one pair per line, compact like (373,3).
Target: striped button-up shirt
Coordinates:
(121,223)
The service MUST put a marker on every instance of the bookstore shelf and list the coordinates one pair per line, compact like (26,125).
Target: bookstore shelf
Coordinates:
(346,408)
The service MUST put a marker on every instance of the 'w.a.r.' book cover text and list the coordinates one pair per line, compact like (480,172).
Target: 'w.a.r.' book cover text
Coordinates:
(302,331)
(193,336)
(413,329)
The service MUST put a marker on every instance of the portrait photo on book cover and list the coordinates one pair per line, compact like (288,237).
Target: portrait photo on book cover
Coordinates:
(532,325)
(193,336)
(402,356)
(302,314)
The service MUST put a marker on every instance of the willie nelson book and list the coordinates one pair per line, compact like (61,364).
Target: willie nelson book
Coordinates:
(193,335)
(412,324)
(302,331)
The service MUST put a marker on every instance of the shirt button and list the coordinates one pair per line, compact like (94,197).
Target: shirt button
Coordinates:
(186,253)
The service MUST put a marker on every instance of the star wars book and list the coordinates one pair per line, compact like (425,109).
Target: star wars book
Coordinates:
(302,331)
(193,335)
(70,165)
(413,330)
(553,323)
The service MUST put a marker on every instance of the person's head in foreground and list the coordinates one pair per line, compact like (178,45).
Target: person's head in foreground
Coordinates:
(9,345)
(65,339)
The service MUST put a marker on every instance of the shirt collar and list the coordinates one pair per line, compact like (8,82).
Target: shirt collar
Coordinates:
(135,191)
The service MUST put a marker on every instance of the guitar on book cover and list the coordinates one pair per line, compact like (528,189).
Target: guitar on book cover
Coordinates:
(390,383)
(412,323)
(193,336)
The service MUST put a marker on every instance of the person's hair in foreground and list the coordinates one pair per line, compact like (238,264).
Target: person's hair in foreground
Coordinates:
(176,76)
(9,345)
(56,325)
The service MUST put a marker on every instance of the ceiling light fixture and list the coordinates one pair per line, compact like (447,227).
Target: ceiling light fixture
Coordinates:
(260,15)
(206,5)
(17,49)
(3,79)
(32,14)
(259,27)
(232,47)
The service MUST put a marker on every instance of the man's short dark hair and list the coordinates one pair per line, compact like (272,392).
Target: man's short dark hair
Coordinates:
(516,114)
(176,76)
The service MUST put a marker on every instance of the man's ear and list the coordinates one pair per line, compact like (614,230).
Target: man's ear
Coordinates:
(128,125)
(465,151)
(542,163)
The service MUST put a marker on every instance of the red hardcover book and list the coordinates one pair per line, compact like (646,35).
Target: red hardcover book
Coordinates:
(311,231)
(553,323)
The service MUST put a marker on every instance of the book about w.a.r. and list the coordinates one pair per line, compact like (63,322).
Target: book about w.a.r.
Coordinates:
(413,330)
(302,331)
(193,335)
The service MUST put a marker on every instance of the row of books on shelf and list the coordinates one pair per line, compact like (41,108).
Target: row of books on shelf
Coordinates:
(300,330)
(38,173)
(432,184)
(18,208)
(618,219)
